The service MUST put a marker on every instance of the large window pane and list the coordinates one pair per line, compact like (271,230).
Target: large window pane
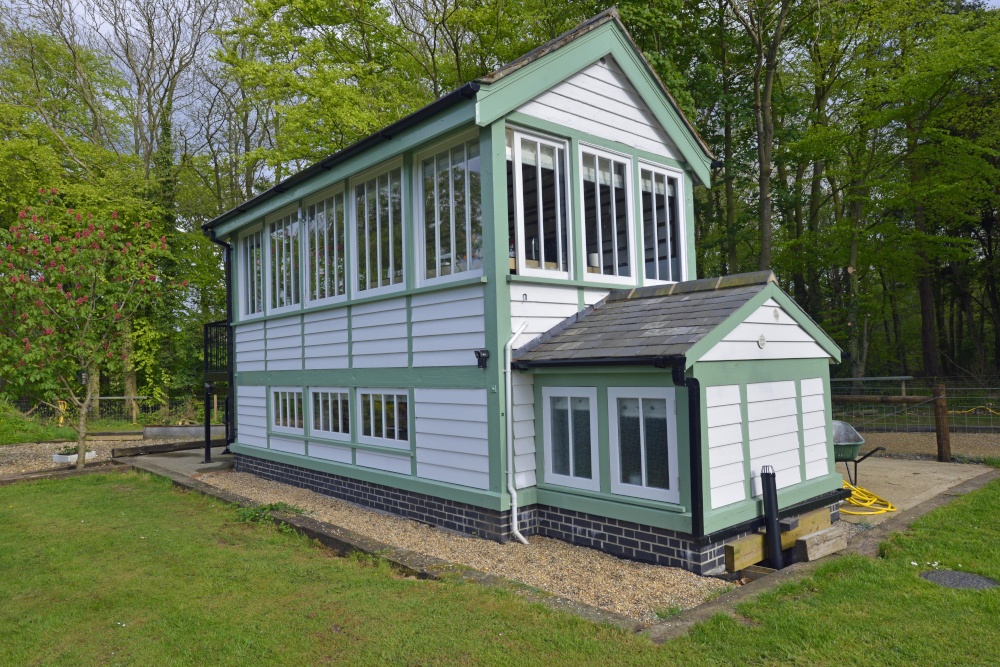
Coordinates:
(541,202)
(252,262)
(284,255)
(379,224)
(560,435)
(324,224)
(581,438)
(606,216)
(630,441)
(661,226)
(654,421)
(452,211)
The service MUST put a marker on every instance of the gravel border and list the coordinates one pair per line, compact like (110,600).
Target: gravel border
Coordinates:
(37,456)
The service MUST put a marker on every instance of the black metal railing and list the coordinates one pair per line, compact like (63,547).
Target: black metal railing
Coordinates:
(217,347)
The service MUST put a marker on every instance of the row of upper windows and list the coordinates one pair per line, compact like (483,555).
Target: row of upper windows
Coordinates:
(305,252)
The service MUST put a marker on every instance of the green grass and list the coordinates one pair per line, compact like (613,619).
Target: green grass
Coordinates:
(16,428)
(125,569)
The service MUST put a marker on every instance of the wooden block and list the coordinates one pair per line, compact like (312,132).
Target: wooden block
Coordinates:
(790,523)
(819,544)
(751,550)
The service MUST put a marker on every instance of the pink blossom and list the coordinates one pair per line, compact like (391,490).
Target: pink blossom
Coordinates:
(114,215)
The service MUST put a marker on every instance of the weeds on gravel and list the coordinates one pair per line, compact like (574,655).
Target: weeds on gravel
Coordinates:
(261,514)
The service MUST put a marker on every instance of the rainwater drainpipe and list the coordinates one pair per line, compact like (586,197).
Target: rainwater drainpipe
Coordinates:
(511,489)
(694,435)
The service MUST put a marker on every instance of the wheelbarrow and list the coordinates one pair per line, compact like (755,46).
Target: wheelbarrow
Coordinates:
(847,444)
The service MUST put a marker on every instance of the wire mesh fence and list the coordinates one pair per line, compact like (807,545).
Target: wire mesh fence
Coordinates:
(117,412)
(971,409)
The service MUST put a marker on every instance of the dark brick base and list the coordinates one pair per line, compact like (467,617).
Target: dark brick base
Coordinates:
(620,538)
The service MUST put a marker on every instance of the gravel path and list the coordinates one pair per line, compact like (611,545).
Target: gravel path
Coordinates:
(977,445)
(16,459)
(624,587)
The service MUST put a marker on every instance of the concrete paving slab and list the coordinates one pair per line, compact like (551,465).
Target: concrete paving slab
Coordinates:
(907,483)
(188,462)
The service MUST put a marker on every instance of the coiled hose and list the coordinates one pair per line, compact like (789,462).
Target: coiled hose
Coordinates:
(867,501)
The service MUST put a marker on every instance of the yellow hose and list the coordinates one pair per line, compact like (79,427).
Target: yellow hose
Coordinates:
(864,498)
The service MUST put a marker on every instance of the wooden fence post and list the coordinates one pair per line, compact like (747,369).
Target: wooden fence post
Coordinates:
(941,423)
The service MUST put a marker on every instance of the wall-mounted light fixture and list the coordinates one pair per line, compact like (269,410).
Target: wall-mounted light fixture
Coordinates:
(482,357)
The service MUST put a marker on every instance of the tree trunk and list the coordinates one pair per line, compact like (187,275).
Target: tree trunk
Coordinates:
(94,393)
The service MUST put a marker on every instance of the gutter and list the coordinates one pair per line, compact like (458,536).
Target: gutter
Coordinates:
(466,92)
(227,253)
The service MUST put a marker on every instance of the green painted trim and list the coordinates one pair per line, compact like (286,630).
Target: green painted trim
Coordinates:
(515,89)
(409,211)
(798,421)
(828,408)
(603,440)
(564,282)
(745,427)
(581,300)
(545,373)
(430,130)
(306,416)
(747,510)
(409,330)
(350,337)
(689,247)
(637,230)
(527,122)
(576,229)
(484,499)
(269,410)
(458,377)
(711,373)
(623,508)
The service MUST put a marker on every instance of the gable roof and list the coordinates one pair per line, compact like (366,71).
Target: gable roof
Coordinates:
(482,87)
(652,324)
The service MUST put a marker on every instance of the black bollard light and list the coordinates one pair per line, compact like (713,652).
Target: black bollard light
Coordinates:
(768,482)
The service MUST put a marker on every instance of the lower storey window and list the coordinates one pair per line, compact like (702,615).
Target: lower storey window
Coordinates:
(286,409)
(643,443)
(570,422)
(331,412)
(384,417)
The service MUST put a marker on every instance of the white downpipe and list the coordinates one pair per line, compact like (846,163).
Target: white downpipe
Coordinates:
(510,432)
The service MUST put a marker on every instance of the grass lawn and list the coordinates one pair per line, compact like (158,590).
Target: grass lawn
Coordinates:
(124,569)
(15,428)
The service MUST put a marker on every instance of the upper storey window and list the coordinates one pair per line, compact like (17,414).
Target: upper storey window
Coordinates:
(452,211)
(537,195)
(283,234)
(324,222)
(251,262)
(607,224)
(663,243)
(378,216)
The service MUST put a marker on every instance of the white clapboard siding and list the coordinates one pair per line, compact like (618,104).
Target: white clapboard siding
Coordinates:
(447,326)
(290,446)
(249,344)
(600,100)
(724,420)
(783,338)
(592,295)
(772,421)
(814,452)
(329,452)
(524,429)
(541,306)
(284,343)
(326,339)
(251,415)
(452,436)
(379,334)
(387,462)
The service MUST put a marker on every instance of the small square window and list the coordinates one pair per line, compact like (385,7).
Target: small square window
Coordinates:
(570,435)
(383,417)
(643,430)
(331,412)
(286,410)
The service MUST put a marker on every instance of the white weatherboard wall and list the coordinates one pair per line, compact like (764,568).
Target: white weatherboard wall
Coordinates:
(249,346)
(541,306)
(284,343)
(329,452)
(592,295)
(379,335)
(326,339)
(452,435)
(447,326)
(600,100)
(290,446)
(783,338)
(773,422)
(724,419)
(524,429)
(814,428)
(251,415)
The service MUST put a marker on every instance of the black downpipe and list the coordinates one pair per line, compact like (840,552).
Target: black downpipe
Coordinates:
(230,411)
(694,434)
(768,481)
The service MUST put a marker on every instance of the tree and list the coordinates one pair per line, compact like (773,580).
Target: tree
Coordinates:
(71,281)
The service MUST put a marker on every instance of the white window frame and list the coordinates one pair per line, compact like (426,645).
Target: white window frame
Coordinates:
(599,153)
(330,435)
(243,271)
(682,251)
(358,425)
(671,495)
(269,272)
(307,245)
(594,483)
(559,144)
(418,209)
(384,168)
(274,399)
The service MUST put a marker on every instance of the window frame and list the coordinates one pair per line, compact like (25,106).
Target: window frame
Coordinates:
(243,273)
(315,433)
(682,251)
(594,483)
(269,272)
(315,198)
(419,224)
(388,443)
(669,495)
(630,180)
(386,167)
(273,404)
(558,143)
